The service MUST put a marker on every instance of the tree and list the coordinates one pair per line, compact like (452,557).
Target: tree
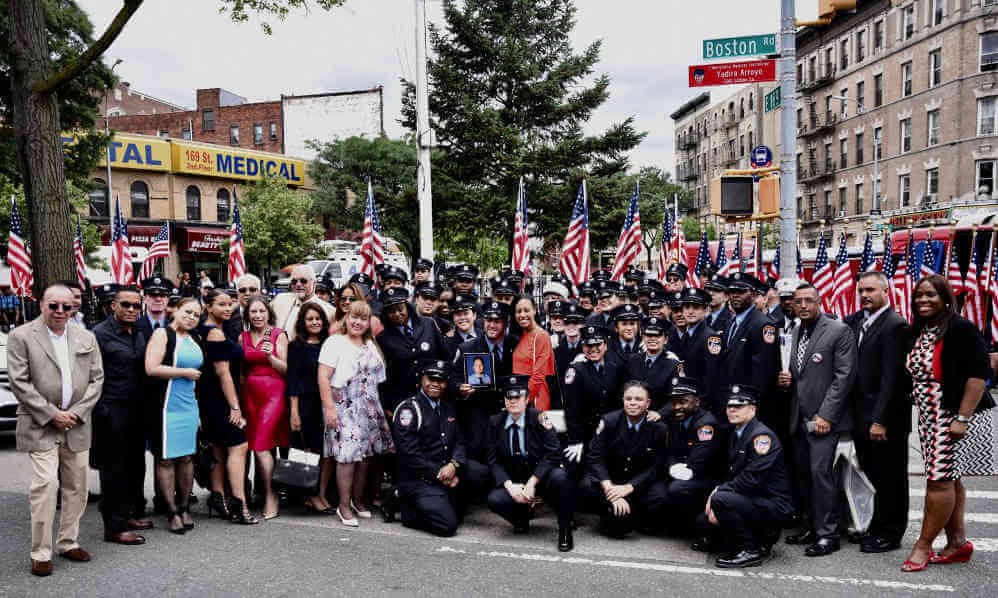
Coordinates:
(39,76)
(692,230)
(508,98)
(277,228)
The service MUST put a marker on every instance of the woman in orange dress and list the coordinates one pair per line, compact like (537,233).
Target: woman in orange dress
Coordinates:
(533,355)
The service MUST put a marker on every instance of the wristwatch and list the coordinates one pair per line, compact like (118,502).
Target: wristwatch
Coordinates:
(455,464)
(963,419)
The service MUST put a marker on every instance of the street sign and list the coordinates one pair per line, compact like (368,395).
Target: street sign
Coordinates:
(773,100)
(762,157)
(733,47)
(732,73)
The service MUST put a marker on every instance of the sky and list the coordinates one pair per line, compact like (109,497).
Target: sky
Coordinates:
(170,48)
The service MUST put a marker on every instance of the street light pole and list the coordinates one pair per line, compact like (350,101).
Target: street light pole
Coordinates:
(788,139)
(423,138)
(107,157)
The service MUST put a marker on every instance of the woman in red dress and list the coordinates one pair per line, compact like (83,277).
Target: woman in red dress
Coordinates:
(264,405)
(533,355)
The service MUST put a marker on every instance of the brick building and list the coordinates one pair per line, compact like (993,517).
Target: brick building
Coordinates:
(123,100)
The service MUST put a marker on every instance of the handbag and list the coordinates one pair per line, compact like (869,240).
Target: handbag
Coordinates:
(204,461)
(298,473)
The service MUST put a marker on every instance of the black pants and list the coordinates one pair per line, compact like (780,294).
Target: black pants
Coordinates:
(430,507)
(744,522)
(886,465)
(120,446)
(817,485)
(556,488)
(595,501)
(676,504)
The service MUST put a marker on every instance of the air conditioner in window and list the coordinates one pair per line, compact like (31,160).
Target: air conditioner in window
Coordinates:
(842,213)
(931,199)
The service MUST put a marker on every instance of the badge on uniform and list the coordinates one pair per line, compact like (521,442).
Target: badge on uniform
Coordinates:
(769,334)
(425,346)
(714,345)
(405,417)
(599,428)
(762,444)
(569,375)
(705,433)
(816,358)
(546,422)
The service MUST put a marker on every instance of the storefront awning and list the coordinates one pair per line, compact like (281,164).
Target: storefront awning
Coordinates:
(201,239)
(139,235)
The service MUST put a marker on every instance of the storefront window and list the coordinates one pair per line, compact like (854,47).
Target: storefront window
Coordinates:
(222,201)
(193,203)
(140,199)
(98,199)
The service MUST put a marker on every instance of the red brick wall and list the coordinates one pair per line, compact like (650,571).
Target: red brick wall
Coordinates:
(134,102)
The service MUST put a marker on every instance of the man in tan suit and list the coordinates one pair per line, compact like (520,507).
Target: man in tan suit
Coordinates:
(286,305)
(56,374)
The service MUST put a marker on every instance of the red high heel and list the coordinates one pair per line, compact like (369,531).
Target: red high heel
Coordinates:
(910,566)
(960,555)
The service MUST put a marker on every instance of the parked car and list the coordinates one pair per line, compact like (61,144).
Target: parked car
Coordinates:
(8,404)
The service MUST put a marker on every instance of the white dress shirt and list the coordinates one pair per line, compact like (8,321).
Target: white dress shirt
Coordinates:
(60,342)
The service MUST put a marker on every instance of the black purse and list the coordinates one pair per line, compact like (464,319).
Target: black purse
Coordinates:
(299,473)
(204,462)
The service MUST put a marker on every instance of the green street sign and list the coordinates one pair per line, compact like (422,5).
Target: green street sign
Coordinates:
(731,47)
(773,100)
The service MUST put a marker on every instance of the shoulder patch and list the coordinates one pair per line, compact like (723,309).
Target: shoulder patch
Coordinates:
(599,428)
(570,375)
(762,444)
(769,334)
(705,433)
(714,345)
(404,417)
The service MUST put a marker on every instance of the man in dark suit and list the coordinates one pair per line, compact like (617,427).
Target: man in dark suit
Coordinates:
(654,366)
(883,413)
(822,371)
(524,455)
(750,349)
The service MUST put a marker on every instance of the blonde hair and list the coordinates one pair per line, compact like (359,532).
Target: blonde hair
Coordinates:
(361,310)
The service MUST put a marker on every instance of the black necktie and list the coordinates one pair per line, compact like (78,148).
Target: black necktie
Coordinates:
(514,439)
(648,363)
(732,329)
(496,355)
(156,326)
(599,368)
(407,331)
(627,348)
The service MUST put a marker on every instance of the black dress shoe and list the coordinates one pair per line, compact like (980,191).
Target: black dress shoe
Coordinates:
(822,547)
(521,527)
(744,558)
(857,537)
(565,541)
(879,544)
(805,537)
(703,545)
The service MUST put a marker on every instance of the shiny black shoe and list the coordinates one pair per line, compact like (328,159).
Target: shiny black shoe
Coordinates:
(805,537)
(703,545)
(390,506)
(216,503)
(565,541)
(822,547)
(741,559)
(857,537)
(876,544)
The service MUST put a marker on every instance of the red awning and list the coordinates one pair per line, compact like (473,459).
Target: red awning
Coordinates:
(139,235)
(201,239)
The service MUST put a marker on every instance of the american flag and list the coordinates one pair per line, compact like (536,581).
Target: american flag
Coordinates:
(752,264)
(161,248)
(237,250)
(866,263)
(800,261)
(842,293)
(78,257)
(973,304)
(888,268)
(521,253)
(665,254)
(372,244)
(901,282)
(773,270)
(993,285)
(928,265)
(721,263)
(824,279)
(953,273)
(22,276)
(703,258)
(629,243)
(121,252)
(692,280)
(734,264)
(575,250)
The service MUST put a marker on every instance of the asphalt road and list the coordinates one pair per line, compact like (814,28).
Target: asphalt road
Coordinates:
(312,555)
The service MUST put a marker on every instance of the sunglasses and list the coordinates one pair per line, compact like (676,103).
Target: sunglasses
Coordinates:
(300,280)
(66,307)
(129,305)
(347,299)
(248,289)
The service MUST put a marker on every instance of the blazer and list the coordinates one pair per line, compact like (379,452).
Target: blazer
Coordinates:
(824,384)
(964,355)
(543,448)
(880,394)
(286,307)
(36,381)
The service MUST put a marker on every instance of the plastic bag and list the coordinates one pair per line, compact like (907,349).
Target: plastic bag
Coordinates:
(859,491)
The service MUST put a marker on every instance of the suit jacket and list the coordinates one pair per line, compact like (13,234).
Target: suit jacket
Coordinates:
(426,440)
(756,466)
(624,458)
(658,377)
(541,443)
(36,381)
(824,384)
(286,306)
(752,355)
(880,394)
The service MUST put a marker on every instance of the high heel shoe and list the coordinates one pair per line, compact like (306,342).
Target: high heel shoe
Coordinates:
(185,511)
(352,522)
(911,566)
(170,516)
(240,513)
(960,555)
(216,503)
(365,514)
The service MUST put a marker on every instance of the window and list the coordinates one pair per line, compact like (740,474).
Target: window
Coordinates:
(932,183)
(812,67)
(933,118)
(813,205)
(843,153)
(904,190)
(828,204)
(842,201)
(829,62)
(750,144)
(905,135)
(844,103)
(750,103)
(222,204)
(844,54)
(186,133)
(906,79)
(935,67)
(234,134)
(859,198)
(908,21)
(878,90)
(985,177)
(878,36)
(164,133)
(989,51)
(800,73)
(273,131)
(860,45)
(98,199)
(828,157)
(741,108)
(193,203)
(117,94)
(257,134)
(936,10)
(859,148)
(860,96)
(741,146)
(986,116)
(208,119)
(139,193)
(878,139)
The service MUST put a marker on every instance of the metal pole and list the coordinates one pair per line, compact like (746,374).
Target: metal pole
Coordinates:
(788,139)
(107,157)
(423,138)
(876,177)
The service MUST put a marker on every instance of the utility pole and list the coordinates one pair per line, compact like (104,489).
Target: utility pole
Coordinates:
(788,140)
(424,138)
(107,156)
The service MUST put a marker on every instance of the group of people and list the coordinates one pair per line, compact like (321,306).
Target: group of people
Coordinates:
(714,413)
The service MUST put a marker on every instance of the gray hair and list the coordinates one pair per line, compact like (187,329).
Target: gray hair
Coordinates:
(249,278)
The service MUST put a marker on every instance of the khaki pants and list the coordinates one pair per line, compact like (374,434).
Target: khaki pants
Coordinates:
(46,468)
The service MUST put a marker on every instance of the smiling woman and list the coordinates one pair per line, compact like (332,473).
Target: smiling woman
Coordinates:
(533,355)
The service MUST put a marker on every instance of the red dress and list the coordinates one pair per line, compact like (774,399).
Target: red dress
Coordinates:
(263,402)
(534,357)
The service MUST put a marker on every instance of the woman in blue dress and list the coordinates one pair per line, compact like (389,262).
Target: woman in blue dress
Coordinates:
(173,360)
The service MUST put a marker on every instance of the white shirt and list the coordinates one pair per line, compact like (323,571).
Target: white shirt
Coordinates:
(61,345)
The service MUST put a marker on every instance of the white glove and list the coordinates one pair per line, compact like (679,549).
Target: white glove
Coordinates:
(680,471)
(574,452)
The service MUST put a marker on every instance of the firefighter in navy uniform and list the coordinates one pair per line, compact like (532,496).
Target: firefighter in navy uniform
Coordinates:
(701,350)
(745,513)
(751,351)
(426,302)
(568,345)
(422,271)
(625,457)
(653,365)
(695,458)
(626,321)
(431,462)
(719,314)
(524,455)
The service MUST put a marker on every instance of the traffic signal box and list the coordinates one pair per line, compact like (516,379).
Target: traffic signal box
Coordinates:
(734,196)
(828,8)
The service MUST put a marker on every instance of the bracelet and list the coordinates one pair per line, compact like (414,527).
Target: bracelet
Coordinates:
(234,408)
(963,419)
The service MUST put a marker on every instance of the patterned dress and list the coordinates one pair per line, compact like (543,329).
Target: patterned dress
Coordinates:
(939,450)
(363,431)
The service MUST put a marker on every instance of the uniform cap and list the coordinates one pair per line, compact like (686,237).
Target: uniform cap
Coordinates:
(514,386)
(627,311)
(593,335)
(157,284)
(573,313)
(423,264)
(467,271)
(695,296)
(435,368)
(428,288)
(654,325)
(391,272)
(394,295)
(464,301)
(556,288)
(785,287)
(682,385)
(362,279)
(716,283)
(495,310)
(741,281)
(677,269)
(742,394)
(656,298)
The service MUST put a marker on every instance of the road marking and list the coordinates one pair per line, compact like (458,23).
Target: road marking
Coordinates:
(992,494)
(985,544)
(843,581)
(974,517)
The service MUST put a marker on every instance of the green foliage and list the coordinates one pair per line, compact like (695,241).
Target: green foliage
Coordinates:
(239,9)
(508,98)
(277,227)
(692,230)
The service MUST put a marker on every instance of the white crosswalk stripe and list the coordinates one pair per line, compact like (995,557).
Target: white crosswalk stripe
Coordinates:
(989,494)
(971,517)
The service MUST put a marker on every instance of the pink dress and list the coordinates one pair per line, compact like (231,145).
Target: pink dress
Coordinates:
(263,402)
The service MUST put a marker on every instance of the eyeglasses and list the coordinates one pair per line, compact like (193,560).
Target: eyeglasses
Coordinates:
(248,289)
(66,307)
(804,300)
(126,305)
(300,280)
(347,299)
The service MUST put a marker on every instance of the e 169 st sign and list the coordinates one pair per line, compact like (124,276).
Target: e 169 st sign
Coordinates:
(732,47)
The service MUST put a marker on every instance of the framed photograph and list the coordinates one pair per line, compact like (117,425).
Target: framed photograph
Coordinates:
(479,371)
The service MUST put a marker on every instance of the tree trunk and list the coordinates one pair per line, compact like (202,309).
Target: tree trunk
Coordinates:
(39,147)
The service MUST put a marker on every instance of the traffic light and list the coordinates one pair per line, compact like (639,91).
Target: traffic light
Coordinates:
(732,196)
(828,8)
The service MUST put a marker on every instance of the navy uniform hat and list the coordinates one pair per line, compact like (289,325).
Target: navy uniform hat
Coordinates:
(495,310)
(515,276)
(602,274)
(380,268)
(396,273)
(677,269)
(717,283)
(759,286)
(514,386)
(230,290)
(362,279)
(656,298)
(742,394)
(324,284)
(785,287)
(107,289)
(158,285)
(175,297)
(650,285)
(634,274)
(573,314)
(622,291)
(675,299)
(627,311)
(394,295)
(428,289)
(435,368)
(587,289)
(741,281)
(681,385)
(695,296)
(593,335)
(604,288)
(557,308)
(423,264)
(503,287)
(465,271)
(654,326)
(464,301)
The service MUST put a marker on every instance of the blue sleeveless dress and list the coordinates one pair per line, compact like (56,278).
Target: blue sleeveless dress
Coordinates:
(180,407)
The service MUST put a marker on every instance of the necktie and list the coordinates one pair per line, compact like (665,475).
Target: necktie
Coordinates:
(805,336)
(648,363)
(598,368)
(514,439)
(863,329)
(156,326)
(408,332)
(627,348)
(732,329)
(496,355)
